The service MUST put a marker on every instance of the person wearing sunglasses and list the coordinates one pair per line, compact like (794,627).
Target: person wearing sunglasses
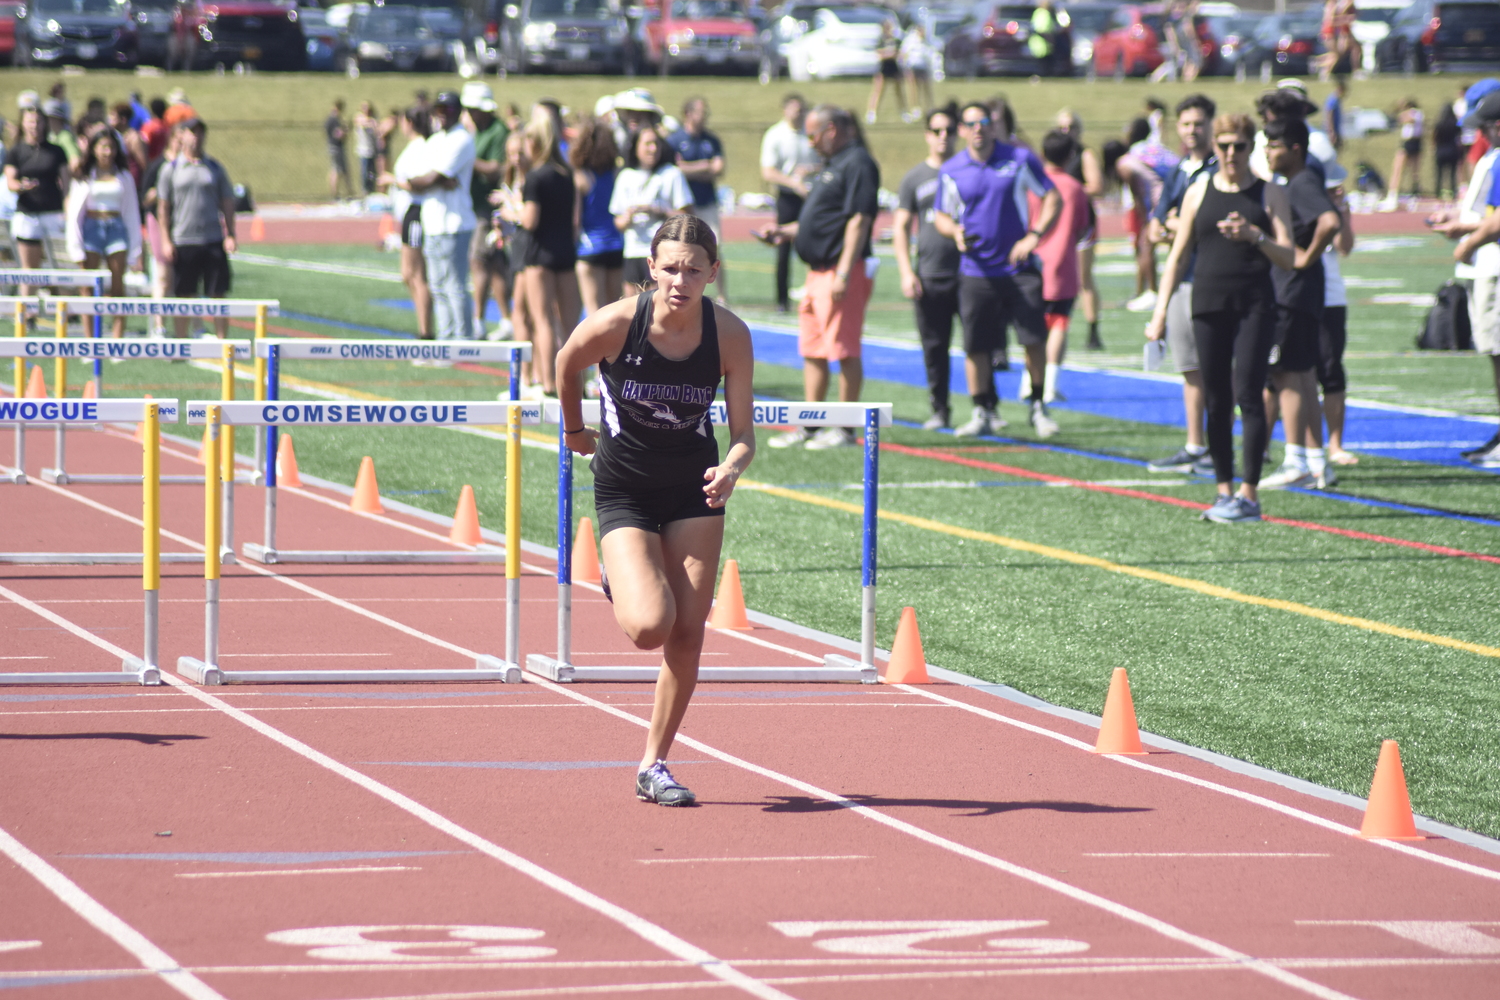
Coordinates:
(932,285)
(1240,226)
(982,207)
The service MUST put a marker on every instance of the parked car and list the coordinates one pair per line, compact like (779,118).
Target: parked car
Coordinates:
(75,32)
(841,42)
(265,34)
(324,40)
(714,35)
(1086,22)
(995,40)
(386,38)
(1238,53)
(938,24)
(1434,36)
(1372,23)
(8,10)
(1288,43)
(784,25)
(574,35)
(1132,45)
(153,29)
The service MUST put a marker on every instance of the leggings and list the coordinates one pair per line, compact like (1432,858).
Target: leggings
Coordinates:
(1234,351)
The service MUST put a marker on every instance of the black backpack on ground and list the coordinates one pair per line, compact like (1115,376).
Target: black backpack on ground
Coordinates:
(1447,325)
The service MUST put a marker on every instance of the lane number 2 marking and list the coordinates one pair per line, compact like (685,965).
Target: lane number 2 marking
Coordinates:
(903,938)
(415,943)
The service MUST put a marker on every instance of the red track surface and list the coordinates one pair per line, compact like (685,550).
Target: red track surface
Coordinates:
(851,842)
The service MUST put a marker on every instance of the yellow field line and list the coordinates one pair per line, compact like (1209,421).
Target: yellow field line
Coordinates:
(1079,559)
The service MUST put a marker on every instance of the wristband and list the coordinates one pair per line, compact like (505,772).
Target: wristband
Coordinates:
(1033,232)
(578,431)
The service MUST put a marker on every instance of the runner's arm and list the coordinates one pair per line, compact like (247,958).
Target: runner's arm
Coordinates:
(911,287)
(598,338)
(737,359)
(1182,249)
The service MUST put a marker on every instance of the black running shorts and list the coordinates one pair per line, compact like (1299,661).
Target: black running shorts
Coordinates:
(1296,341)
(988,305)
(200,264)
(649,510)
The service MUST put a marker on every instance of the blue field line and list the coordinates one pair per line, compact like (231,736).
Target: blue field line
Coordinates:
(339,324)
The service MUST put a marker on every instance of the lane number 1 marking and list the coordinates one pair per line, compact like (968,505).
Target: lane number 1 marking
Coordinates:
(415,943)
(902,938)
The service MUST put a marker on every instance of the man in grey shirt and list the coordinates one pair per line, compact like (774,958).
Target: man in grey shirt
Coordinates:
(196,211)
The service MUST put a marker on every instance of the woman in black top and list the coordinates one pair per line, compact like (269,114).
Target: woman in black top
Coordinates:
(37,170)
(659,487)
(1240,226)
(547,214)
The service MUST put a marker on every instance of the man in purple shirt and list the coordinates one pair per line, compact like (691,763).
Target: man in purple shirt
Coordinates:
(982,206)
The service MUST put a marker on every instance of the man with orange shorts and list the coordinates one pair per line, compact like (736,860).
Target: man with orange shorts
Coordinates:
(832,236)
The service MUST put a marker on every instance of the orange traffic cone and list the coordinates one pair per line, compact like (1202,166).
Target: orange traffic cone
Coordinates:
(1388,813)
(366,492)
(465,530)
(257,229)
(387,227)
(140,429)
(908,664)
(203,448)
(91,389)
(1118,733)
(286,462)
(585,554)
(36,385)
(729,605)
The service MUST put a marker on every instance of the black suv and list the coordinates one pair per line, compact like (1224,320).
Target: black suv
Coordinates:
(572,35)
(1431,36)
(76,33)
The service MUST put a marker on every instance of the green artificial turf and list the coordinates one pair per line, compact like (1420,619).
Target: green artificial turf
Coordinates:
(1303,696)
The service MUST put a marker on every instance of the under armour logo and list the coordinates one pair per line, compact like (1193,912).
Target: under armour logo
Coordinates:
(633,359)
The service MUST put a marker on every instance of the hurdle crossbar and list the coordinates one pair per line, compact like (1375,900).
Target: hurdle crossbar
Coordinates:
(870,416)
(275,350)
(134,669)
(221,414)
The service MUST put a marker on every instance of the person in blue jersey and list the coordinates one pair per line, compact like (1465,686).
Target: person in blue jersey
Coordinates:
(601,246)
(659,485)
(982,207)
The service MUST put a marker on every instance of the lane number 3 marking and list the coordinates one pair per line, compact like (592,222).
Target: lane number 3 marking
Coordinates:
(903,938)
(415,943)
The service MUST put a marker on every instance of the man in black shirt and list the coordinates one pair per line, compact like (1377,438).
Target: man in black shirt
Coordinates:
(832,236)
(933,285)
(1299,310)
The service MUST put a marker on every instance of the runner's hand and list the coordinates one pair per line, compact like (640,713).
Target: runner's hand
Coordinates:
(911,286)
(583,442)
(721,480)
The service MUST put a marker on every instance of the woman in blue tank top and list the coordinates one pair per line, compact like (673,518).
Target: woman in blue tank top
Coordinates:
(659,486)
(601,247)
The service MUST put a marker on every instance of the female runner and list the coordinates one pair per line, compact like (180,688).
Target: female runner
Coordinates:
(659,487)
(1240,226)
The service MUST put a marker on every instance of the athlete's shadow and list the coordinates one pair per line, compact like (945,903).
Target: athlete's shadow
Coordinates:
(149,739)
(974,807)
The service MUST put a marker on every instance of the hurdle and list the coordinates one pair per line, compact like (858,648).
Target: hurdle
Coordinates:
(870,416)
(142,669)
(41,278)
(273,351)
(98,349)
(218,414)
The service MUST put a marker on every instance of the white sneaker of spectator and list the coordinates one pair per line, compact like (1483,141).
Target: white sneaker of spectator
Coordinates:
(1144,302)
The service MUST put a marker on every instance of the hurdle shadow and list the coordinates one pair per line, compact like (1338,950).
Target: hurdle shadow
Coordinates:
(147,739)
(798,804)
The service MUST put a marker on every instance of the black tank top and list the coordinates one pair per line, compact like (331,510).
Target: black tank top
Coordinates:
(1230,274)
(657,431)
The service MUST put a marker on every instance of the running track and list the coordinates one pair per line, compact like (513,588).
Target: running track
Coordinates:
(482,841)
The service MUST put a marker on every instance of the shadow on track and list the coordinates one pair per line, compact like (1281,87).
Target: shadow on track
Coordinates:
(149,739)
(804,804)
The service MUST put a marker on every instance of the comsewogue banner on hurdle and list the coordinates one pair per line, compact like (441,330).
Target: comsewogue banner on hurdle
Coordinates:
(219,416)
(767,413)
(142,669)
(56,277)
(269,355)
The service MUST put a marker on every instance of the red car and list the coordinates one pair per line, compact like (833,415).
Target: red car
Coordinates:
(8,29)
(1133,46)
(713,35)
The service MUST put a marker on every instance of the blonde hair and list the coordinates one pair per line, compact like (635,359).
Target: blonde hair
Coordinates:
(512,174)
(544,142)
(1235,124)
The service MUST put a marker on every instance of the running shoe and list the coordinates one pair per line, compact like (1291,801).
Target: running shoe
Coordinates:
(936,422)
(1144,302)
(832,437)
(976,426)
(1183,461)
(1487,446)
(1043,424)
(656,784)
(1238,510)
(1221,505)
(794,438)
(1487,459)
(1204,466)
(1095,343)
(1289,477)
(1327,480)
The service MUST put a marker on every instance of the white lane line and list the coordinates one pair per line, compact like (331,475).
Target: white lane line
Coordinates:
(317,655)
(28,657)
(789,857)
(1204,854)
(304,871)
(1214,786)
(640,926)
(91,910)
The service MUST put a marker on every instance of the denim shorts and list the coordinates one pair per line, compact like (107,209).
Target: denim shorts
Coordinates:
(104,236)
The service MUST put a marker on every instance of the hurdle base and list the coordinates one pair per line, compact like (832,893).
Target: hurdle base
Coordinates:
(510,672)
(207,674)
(835,669)
(256,552)
(58,477)
(146,673)
(13,476)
